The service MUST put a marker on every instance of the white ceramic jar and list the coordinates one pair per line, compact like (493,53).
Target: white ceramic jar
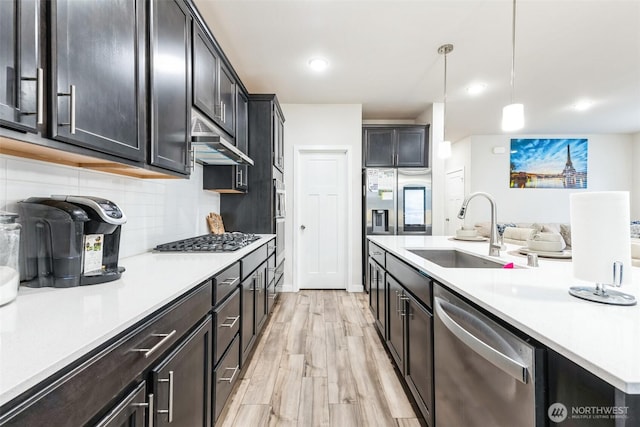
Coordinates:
(9,257)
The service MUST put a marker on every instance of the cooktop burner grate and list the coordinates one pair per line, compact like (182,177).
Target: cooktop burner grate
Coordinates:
(226,242)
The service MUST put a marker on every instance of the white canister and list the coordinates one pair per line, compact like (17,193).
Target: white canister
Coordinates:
(9,257)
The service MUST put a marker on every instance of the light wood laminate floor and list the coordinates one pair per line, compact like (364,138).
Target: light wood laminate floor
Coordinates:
(319,362)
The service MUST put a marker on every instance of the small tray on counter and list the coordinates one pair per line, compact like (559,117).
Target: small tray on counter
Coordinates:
(565,254)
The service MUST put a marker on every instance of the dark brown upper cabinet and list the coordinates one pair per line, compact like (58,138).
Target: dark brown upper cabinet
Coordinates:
(396,146)
(205,76)
(170,100)
(97,97)
(21,78)
(214,86)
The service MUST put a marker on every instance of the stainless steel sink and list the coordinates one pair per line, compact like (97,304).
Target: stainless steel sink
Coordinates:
(452,258)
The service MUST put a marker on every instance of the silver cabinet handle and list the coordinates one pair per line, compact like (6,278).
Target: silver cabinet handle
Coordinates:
(39,79)
(230,379)
(72,109)
(149,406)
(375,253)
(224,113)
(510,366)
(229,282)
(169,410)
(149,351)
(239,177)
(229,325)
(40,97)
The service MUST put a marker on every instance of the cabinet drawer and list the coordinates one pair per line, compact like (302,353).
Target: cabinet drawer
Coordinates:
(418,284)
(226,282)
(253,260)
(226,324)
(377,253)
(225,376)
(74,398)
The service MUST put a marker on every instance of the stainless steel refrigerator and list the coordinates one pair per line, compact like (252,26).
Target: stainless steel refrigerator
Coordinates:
(396,201)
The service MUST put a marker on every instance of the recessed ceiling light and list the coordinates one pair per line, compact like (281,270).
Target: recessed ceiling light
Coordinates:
(318,64)
(582,105)
(476,88)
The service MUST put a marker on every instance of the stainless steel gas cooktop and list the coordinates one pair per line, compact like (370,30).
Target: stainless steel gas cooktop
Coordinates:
(226,242)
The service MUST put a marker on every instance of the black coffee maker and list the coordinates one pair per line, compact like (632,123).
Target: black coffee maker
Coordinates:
(69,241)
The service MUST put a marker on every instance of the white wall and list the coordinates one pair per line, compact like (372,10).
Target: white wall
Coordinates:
(609,168)
(326,124)
(157,211)
(635,195)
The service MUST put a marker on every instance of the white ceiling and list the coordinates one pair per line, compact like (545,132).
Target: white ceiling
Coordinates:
(383,55)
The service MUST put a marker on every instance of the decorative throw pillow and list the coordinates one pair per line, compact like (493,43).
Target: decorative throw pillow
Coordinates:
(635,229)
(565,232)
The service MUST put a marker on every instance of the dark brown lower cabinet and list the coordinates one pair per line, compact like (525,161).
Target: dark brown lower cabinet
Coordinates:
(401,295)
(419,352)
(180,383)
(130,412)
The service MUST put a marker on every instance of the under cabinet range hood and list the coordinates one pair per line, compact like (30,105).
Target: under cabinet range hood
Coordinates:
(210,148)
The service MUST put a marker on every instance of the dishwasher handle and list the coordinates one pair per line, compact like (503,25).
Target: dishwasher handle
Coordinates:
(514,368)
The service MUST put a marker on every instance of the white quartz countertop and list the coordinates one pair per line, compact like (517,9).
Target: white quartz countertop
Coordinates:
(603,339)
(45,329)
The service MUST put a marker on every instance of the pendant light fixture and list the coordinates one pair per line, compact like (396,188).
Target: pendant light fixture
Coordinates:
(444,151)
(513,114)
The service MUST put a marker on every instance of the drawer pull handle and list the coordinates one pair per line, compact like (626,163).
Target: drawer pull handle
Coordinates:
(229,282)
(230,379)
(229,325)
(376,253)
(169,410)
(149,351)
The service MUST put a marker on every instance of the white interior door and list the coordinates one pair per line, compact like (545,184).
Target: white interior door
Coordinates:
(454,193)
(322,220)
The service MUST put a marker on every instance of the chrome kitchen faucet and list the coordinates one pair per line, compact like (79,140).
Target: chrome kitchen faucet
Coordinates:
(494,245)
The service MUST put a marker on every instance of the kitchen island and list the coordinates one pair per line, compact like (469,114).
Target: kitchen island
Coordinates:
(46,332)
(603,339)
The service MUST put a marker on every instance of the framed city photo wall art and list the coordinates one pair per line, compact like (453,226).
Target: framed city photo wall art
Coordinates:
(548,163)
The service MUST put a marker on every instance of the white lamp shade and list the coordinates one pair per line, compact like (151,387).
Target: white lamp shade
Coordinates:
(444,150)
(600,235)
(512,117)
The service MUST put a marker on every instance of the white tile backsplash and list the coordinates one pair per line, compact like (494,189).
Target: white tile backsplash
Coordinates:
(3,182)
(157,211)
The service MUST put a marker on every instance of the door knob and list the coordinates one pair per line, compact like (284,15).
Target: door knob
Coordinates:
(302,227)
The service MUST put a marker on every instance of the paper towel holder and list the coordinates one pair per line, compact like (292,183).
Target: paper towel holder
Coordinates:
(600,294)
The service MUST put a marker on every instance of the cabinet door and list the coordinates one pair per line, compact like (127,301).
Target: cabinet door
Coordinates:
(205,74)
(247,316)
(170,85)
(278,140)
(396,321)
(420,356)
(411,149)
(227,100)
(130,412)
(260,294)
(21,78)
(98,83)
(242,121)
(181,382)
(379,147)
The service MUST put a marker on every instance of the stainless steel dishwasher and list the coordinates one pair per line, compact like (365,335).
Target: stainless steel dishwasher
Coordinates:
(484,374)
